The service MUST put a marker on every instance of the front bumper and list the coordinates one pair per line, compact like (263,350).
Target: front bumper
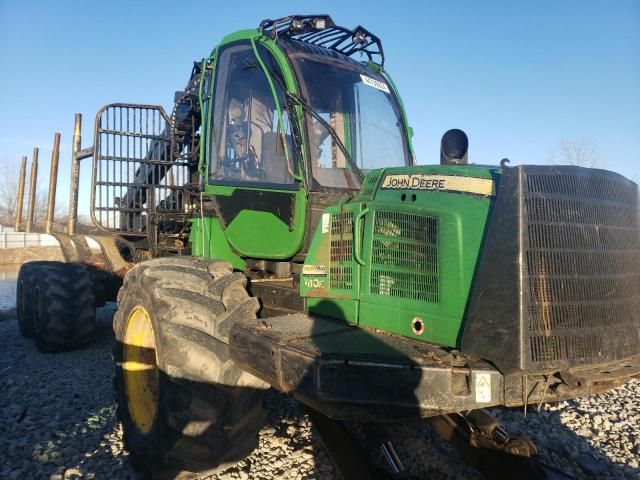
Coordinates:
(351,373)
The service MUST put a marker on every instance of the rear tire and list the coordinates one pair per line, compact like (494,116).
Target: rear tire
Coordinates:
(24,297)
(185,407)
(64,311)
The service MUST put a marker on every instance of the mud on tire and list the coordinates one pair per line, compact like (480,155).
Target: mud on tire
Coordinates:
(64,314)
(208,410)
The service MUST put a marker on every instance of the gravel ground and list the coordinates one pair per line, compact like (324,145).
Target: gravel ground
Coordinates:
(57,422)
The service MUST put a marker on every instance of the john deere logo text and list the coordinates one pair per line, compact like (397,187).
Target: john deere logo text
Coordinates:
(414,182)
(449,183)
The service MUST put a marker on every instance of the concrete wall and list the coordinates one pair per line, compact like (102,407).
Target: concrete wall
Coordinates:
(11,239)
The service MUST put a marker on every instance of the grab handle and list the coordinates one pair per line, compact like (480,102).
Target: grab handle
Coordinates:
(357,237)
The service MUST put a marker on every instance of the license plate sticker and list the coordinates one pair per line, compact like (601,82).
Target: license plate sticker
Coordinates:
(372,82)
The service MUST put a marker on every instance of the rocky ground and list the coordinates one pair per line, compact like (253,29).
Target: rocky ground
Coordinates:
(57,422)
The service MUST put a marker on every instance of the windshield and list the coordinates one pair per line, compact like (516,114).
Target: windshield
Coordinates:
(360,106)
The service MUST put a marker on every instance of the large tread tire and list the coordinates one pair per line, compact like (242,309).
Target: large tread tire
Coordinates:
(24,297)
(64,307)
(209,411)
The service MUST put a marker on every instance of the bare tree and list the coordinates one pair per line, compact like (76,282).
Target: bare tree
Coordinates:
(9,176)
(582,152)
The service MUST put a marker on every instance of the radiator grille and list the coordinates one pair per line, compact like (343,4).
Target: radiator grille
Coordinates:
(341,268)
(581,268)
(582,186)
(404,256)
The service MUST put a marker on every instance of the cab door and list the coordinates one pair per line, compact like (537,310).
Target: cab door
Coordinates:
(252,162)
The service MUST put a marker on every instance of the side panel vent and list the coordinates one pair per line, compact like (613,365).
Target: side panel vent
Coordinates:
(341,268)
(404,256)
(368,188)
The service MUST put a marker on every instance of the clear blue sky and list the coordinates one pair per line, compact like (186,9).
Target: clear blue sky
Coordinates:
(516,76)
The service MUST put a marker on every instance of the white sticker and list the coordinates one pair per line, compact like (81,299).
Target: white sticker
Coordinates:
(314,270)
(325,222)
(483,387)
(372,82)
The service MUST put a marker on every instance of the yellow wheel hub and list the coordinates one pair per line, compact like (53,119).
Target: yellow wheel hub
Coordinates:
(140,369)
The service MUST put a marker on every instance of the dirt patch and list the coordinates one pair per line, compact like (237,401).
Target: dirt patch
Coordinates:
(18,256)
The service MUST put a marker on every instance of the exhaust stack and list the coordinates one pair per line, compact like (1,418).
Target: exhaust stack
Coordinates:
(454,148)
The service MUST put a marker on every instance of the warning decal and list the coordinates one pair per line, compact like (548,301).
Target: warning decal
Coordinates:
(483,387)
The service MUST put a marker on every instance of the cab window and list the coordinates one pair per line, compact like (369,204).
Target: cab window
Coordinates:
(248,144)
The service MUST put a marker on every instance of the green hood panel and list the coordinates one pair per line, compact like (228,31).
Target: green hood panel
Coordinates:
(417,233)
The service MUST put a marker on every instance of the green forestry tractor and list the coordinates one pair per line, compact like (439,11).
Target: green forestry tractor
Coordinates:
(274,230)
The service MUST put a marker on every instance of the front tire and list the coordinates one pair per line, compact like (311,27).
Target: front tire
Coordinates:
(185,407)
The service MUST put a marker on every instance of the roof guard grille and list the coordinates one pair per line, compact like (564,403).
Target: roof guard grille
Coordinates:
(321,30)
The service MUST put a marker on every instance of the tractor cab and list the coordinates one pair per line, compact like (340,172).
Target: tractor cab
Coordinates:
(293,114)
(289,108)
